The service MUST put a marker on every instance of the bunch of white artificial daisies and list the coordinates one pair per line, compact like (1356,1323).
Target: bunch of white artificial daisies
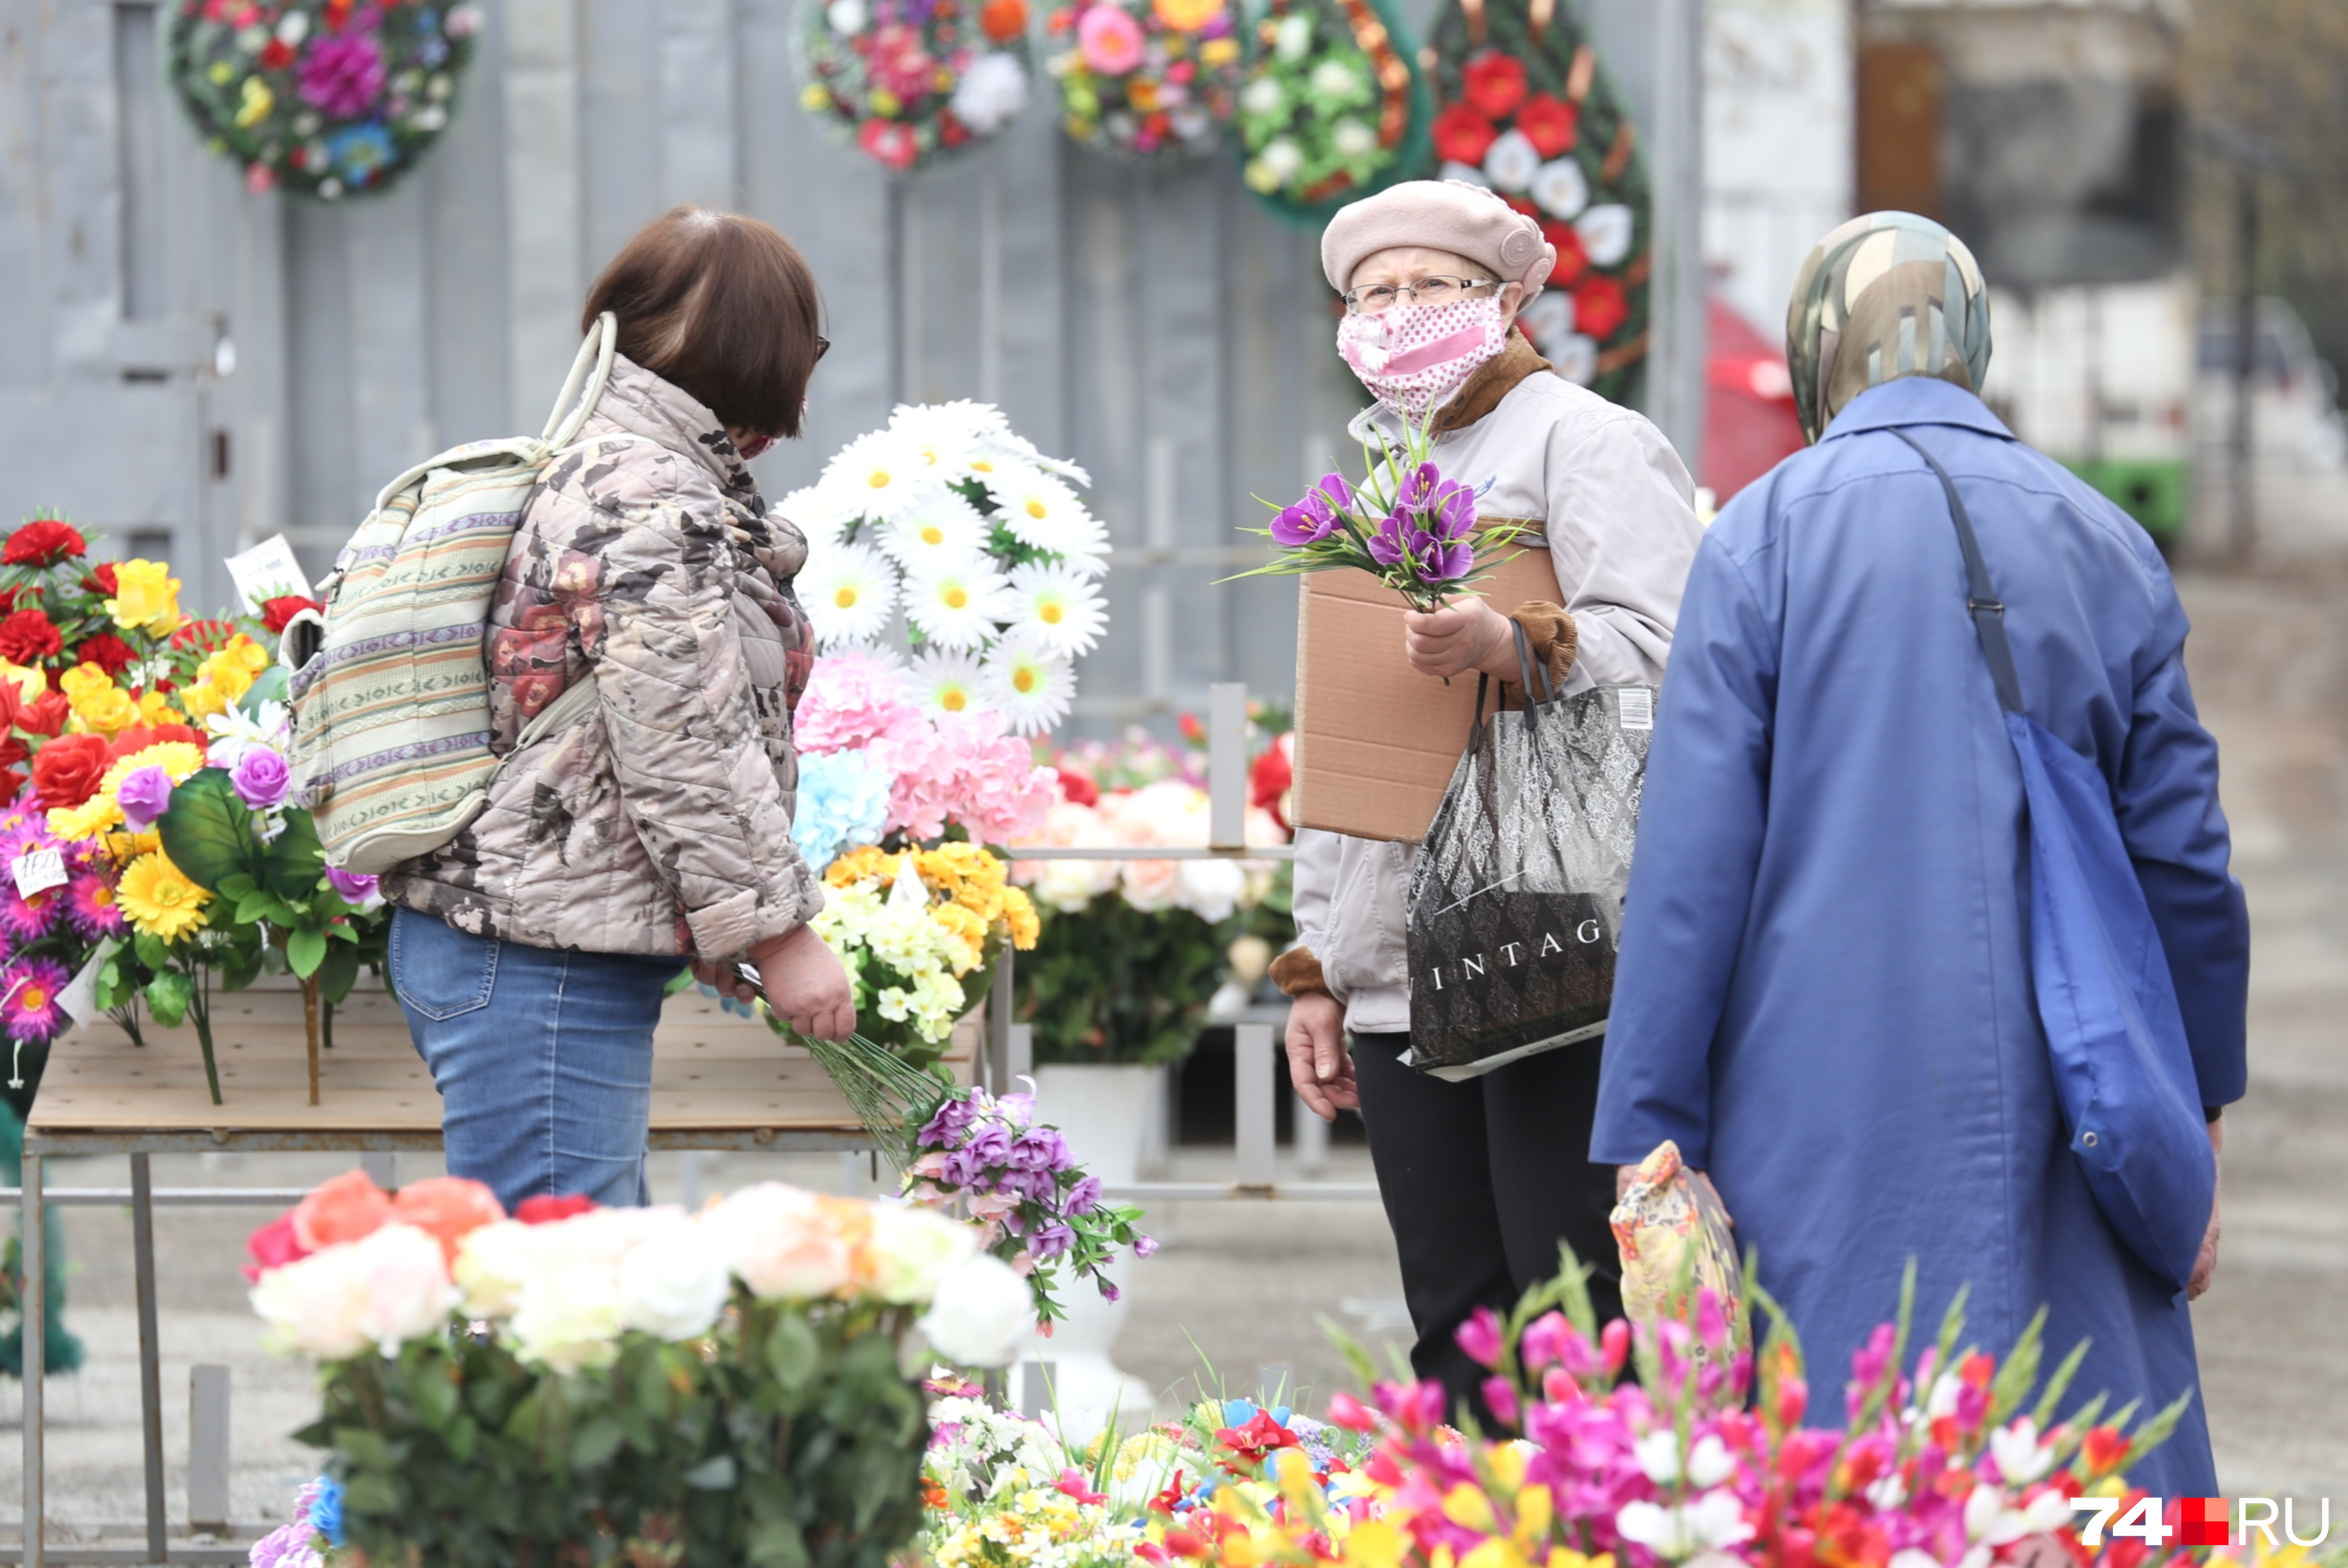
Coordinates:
(978,539)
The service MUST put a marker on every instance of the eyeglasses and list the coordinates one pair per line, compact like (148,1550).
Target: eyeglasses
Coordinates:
(823,345)
(1377,299)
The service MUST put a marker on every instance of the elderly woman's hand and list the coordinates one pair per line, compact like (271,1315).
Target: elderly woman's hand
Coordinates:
(1467,635)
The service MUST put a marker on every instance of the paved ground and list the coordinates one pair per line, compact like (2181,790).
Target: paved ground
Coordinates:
(1242,1286)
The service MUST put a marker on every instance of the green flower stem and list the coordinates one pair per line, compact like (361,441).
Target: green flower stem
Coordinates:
(200,1013)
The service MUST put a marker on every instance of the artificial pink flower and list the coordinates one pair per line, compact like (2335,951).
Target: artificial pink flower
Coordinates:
(1109,39)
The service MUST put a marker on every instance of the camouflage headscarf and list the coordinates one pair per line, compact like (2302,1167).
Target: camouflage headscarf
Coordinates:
(1884,296)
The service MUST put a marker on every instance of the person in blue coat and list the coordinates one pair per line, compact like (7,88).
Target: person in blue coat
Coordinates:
(1824,994)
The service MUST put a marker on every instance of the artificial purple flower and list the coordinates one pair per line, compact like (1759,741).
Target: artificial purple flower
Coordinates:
(28,919)
(1437,560)
(953,1118)
(1333,492)
(1040,1149)
(1085,1196)
(144,797)
(1390,545)
(29,1006)
(342,77)
(260,779)
(90,905)
(1299,525)
(990,1145)
(1051,1240)
(1109,1292)
(355,888)
(1017,1109)
(1455,511)
(1421,486)
(1143,1246)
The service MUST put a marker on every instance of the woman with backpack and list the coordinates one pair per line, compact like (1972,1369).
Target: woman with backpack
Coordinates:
(532,952)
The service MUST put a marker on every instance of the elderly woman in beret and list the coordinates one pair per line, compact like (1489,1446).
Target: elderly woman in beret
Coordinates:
(1482,1179)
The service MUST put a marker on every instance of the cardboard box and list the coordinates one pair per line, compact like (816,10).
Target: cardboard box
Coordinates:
(1376,741)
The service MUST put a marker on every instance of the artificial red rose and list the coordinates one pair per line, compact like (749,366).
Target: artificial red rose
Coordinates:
(1077,789)
(276,55)
(1494,83)
(107,651)
(276,612)
(46,715)
(1600,307)
(1463,136)
(28,637)
(67,770)
(548,1207)
(1550,124)
(1573,257)
(44,541)
(101,580)
(1270,778)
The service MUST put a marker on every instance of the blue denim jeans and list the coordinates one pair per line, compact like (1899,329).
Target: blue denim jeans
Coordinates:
(543,1057)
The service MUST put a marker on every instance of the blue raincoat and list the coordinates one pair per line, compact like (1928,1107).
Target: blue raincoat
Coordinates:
(1824,991)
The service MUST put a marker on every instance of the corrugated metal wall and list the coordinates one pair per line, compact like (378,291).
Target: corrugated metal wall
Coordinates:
(188,367)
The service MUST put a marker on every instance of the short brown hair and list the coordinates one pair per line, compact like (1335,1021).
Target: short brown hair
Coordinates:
(722,306)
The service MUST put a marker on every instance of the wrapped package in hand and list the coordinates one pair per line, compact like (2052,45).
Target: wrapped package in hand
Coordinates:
(1674,1239)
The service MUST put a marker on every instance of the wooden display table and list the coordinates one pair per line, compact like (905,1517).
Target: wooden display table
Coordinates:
(718,1082)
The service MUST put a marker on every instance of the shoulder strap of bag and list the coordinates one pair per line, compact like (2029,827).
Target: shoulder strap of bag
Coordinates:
(1989,612)
(590,368)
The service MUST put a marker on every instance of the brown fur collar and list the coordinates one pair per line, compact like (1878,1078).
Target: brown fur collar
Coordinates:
(1493,380)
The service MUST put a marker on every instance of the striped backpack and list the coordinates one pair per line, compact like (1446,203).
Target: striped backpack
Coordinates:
(390,687)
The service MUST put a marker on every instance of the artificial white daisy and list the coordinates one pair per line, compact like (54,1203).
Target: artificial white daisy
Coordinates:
(878,475)
(946,436)
(947,681)
(848,591)
(943,530)
(817,512)
(1006,452)
(1056,608)
(957,606)
(1031,688)
(1043,512)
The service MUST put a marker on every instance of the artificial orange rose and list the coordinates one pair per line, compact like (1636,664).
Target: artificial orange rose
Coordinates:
(345,1208)
(1003,20)
(446,1208)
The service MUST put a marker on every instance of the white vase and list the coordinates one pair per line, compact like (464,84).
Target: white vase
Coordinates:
(1103,1111)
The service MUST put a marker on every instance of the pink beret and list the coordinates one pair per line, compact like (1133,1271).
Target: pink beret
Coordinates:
(1441,215)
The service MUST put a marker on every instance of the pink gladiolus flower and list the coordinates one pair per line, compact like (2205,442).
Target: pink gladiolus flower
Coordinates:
(1479,1336)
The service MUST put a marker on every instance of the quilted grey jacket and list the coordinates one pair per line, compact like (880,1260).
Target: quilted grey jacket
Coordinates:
(661,823)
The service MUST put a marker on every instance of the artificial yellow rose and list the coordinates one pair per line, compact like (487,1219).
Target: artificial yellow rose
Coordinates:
(155,708)
(146,598)
(108,713)
(29,683)
(202,700)
(230,676)
(83,682)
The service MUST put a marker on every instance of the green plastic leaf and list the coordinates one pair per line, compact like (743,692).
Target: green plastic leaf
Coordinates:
(294,860)
(268,686)
(714,1474)
(237,884)
(208,832)
(792,1353)
(339,972)
(305,951)
(595,1442)
(168,996)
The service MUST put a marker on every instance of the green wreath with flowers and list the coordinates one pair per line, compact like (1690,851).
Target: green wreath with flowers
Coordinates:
(1330,109)
(322,98)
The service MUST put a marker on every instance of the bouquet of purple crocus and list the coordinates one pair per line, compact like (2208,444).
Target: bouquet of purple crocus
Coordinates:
(1039,1212)
(1405,524)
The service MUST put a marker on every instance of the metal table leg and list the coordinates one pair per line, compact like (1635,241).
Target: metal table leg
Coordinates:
(142,1241)
(32,1317)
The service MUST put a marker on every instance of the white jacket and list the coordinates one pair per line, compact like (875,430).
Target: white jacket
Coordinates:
(1618,507)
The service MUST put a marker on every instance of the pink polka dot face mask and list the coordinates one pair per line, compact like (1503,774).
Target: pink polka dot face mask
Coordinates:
(1414,356)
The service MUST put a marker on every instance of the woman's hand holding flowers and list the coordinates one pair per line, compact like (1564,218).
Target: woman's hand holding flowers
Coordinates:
(806,986)
(1465,635)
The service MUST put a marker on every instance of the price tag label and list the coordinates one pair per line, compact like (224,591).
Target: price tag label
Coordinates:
(37,871)
(267,571)
(80,997)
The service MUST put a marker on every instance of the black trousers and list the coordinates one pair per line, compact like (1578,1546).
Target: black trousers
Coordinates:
(1481,1181)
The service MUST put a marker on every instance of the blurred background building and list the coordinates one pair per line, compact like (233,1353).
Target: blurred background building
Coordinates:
(190,367)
